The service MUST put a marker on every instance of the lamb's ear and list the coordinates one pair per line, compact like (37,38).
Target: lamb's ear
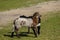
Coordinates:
(40,15)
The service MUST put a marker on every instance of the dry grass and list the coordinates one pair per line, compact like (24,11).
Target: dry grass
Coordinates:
(42,8)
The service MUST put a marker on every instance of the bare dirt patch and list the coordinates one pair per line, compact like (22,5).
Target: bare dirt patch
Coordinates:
(8,16)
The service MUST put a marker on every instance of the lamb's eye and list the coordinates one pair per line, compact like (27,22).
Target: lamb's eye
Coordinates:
(36,16)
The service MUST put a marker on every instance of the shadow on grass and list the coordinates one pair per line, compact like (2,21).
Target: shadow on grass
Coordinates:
(22,34)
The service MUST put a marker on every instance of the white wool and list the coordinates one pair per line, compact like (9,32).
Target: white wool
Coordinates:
(28,22)
(38,24)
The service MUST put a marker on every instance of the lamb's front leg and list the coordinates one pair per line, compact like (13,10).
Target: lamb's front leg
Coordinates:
(35,31)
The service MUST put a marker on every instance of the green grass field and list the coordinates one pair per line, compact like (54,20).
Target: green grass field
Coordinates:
(50,29)
(13,4)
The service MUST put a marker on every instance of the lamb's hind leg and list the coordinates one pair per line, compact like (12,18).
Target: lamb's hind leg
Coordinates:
(12,34)
(28,29)
(13,30)
(16,31)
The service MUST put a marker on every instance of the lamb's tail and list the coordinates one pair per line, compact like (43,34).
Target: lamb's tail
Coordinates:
(13,26)
(13,29)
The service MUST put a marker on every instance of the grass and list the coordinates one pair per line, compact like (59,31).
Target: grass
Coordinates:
(51,26)
(50,29)
(13,4)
